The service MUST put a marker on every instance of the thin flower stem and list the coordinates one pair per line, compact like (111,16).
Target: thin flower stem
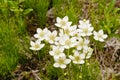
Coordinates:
(78,72)
(69,70)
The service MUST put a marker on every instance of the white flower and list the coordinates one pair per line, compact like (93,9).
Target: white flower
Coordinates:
(61,61)
(84,22)
(41,34)
(85,28)
(100,36)
(62,23)
(60,37)
(51,37)
(67,42)
(77,58)
(36,45)
(56,51)
(88,51)
(75,33)
(70,30)
(82,44)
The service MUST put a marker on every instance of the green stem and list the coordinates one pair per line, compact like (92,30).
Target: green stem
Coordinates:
(69,70)
(78,72)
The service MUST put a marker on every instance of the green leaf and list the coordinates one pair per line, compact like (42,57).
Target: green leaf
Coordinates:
(111,5)
(20,1)
(108,29)
(13,4)
(27,11)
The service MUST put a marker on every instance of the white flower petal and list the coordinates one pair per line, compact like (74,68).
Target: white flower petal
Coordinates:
(95,33)
(51,53)
(35,49)
(42,45)
(80,22)
(105,36)
(65,19)
(87,21)
(58,19)
(73,39)
(61,49)
(54,32)
(58,25)
(95,37)
(76,53)
(79,47)
(69,23)
(75,62)
(74,27)
(62,54)
(83,34)
(32,43)
(39,30)
(71,57)
(56,65)
(91,28)
(67,61)
(32,48)
(81,62)
(101,31)
(36,36)
(82,56)
(62,66)
(101,40)
(88,34)
(88,55)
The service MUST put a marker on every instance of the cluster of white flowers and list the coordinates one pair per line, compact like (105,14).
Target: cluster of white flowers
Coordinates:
(69,37)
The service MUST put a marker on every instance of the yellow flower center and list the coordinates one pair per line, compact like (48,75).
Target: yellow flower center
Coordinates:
(63,23)
(81,43)
(99,35)
(66,31)
(67,42)
(84,20)
(36,46)
(77,58)
(41,34)
(57,51)
(61,61)
(85,30)
(52,37)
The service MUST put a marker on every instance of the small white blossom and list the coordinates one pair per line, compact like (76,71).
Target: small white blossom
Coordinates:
(67,42)
(82,43)
(85,28)
(41,34)
(70,30)
(84,23)
(51,37)
(100,36)
(61,61)
(77,58)
(62,23)
(36,45)
(56,51)
(60,37)
(88,51)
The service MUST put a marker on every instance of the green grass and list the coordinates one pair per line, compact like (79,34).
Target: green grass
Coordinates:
(14,38)
(40,8)
(105,16)
(9,53)
(69,8)
(11,28)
